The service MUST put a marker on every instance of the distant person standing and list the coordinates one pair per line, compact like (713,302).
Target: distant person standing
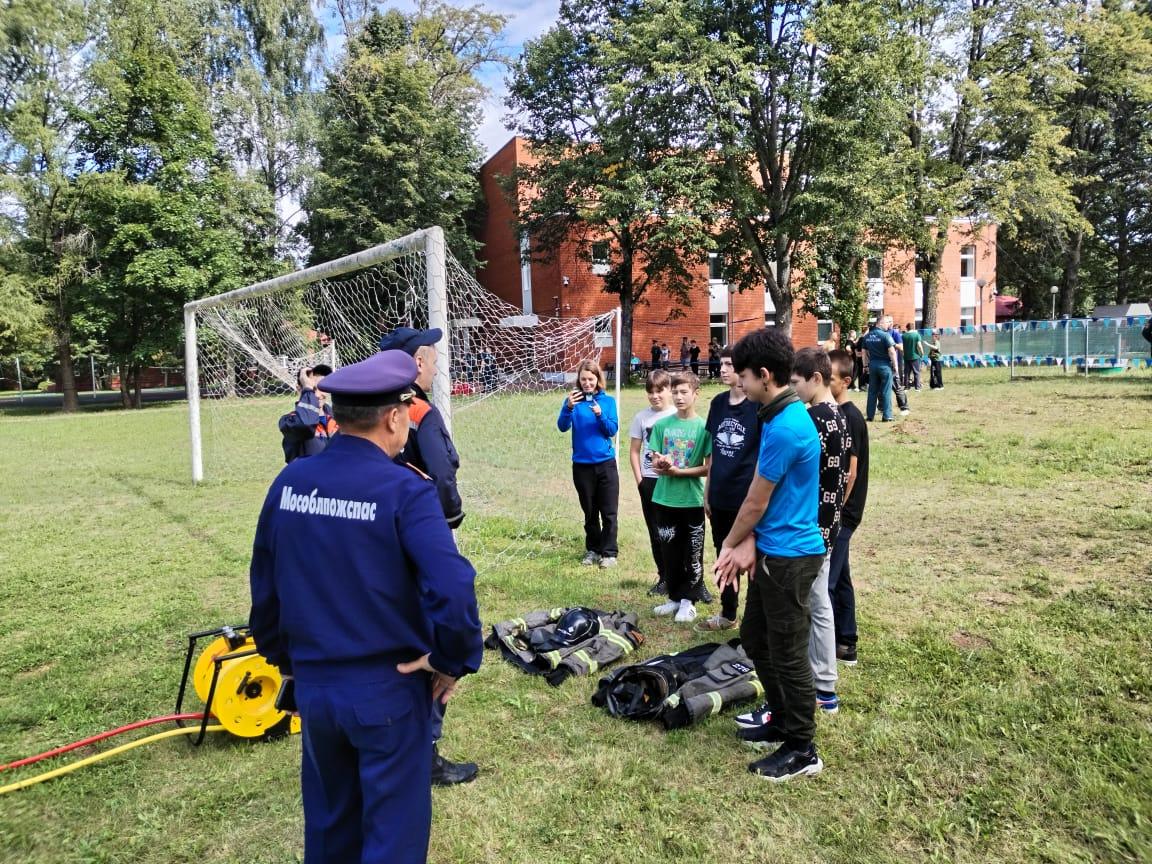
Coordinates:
(913,353)
(840,588)
(881,367)
(685,352)
(713,360)
(852,346)
(735,431)
(694,357)
(665,356)
(591,415)
(935,367)
(898,371)
(655,354)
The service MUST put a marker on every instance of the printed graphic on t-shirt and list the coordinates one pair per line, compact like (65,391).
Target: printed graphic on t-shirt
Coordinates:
(680,449)
(730,437)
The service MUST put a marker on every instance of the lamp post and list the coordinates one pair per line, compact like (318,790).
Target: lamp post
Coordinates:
(980,283)
(1055,289)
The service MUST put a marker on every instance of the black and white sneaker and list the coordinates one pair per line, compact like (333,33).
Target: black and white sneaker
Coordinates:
(660,589)
(755,718)
(765,737)
(787,763)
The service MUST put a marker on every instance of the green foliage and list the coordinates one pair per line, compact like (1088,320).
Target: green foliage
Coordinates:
(612,160)
(396,152)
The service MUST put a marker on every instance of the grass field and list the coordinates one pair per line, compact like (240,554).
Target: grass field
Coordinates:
(1001,710)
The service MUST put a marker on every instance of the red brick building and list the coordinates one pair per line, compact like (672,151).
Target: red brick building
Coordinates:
(571,285)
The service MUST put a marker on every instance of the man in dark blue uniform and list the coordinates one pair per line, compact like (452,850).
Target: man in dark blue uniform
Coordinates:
(430,450)
(360,595)
(429,446)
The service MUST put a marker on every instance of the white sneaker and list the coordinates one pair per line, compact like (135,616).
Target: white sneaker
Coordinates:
(686,613)
(608,561)
(669,608)
(903,412)
(590,559)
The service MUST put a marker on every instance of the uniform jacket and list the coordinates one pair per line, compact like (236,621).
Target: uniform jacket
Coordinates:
(617,638)
(355,570)
(430,449)
(681,689)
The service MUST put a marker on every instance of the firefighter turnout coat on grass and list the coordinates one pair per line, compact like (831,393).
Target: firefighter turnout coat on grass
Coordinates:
(538,643)
(681,689)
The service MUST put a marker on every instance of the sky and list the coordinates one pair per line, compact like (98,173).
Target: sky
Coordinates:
(527,19)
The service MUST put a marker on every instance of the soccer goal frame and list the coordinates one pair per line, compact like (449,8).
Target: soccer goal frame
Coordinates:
(429,241)
(442,279)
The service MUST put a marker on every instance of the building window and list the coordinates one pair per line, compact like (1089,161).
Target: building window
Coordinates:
(718,327)
(600,252)
(967,262)
(967,316)
(923,265)
(875,269)
(769,319)
(823,330)
(715,267)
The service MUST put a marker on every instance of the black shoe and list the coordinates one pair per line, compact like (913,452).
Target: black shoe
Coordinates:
(705,595)
(846,654)
(445,773)
(787,763)
(761,737)
(660,589)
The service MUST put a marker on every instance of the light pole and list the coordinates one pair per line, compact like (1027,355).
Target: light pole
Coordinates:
(1055,289)
(980,283)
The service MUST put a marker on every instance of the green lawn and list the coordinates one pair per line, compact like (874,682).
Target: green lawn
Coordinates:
(1000,712)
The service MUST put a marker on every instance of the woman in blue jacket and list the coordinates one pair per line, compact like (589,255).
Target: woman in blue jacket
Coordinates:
(591,415)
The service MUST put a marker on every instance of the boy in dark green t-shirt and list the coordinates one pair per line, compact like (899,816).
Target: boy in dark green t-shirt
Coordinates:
(681,453)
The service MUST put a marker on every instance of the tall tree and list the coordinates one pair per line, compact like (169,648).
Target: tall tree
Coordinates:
(43,45)
(613,159)
(169,219)
(259,60)
(396,149)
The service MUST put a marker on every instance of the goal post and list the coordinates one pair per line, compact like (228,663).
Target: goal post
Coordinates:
(244,348)
(428,242)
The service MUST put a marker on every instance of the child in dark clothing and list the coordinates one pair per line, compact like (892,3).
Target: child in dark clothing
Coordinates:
(735,432)
(811,374)
(840,573)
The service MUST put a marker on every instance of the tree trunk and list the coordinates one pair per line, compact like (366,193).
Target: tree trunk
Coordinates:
(125,384)
(627,307)
(782,297)
(1071,281)
(931,279)
(137,399)
(67,375)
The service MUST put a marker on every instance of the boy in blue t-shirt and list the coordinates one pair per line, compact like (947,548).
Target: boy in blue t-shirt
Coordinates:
(777,532)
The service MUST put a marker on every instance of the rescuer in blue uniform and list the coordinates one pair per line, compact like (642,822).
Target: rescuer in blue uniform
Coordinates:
(430,449)
(360,595)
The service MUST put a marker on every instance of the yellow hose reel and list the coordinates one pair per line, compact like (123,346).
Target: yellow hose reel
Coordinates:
(237,686)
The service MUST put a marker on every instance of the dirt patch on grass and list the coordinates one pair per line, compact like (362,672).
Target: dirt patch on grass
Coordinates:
(35,672)
(996,598)
(966,641)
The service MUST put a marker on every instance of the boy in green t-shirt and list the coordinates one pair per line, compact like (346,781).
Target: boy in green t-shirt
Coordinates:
(681,453)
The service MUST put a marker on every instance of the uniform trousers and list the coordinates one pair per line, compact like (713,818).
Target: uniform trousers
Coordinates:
(365,769)
(598,488)
(681,532)
(775,632)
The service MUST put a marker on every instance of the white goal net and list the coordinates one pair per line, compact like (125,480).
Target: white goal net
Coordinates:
(245,349)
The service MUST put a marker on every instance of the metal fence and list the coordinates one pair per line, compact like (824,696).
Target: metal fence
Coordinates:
(1073,345)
